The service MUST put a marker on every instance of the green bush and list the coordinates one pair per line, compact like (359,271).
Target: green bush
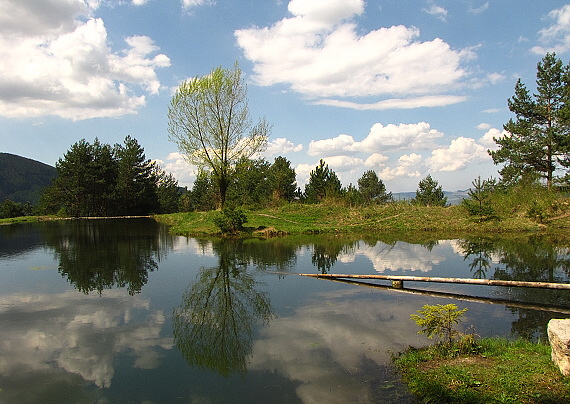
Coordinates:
(439,320)
(230,220)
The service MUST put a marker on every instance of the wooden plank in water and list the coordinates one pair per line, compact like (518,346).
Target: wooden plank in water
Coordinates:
(488,282)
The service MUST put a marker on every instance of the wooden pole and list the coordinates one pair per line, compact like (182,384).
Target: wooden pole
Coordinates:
(488,282)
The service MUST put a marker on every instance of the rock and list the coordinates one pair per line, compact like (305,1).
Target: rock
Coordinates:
(559,338)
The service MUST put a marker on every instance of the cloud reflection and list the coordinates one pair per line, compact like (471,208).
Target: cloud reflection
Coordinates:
(77,333)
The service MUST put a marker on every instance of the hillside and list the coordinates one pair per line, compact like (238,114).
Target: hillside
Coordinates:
(22,179)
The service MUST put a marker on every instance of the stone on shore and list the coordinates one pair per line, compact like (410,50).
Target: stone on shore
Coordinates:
(559,338)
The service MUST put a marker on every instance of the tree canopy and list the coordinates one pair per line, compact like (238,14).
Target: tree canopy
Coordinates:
(537,142)
(429,193)
(208,119)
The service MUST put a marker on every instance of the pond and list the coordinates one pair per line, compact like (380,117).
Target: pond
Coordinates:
(121,311)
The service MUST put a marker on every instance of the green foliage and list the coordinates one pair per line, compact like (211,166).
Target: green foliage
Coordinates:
(100,180)
(536,142)
(282,180)
(323,183)
(439,321)
(208,118)
(230,220)
(9,209)
(250,186)
(479,202)
(373,189)
(429,193)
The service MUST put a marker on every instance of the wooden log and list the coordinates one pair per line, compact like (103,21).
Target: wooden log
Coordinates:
(488,282)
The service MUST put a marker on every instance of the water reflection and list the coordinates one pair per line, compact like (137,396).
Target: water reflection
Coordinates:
(214,324)
(95,255)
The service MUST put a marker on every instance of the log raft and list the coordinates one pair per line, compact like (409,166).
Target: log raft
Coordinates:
(398,280)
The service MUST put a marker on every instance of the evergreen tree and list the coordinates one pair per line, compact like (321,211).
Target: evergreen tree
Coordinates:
(250,185)
(167,191)
(372,188)
(203,195)
(282,180)
(538,139)
(429,193)
(136,190)
(323,183)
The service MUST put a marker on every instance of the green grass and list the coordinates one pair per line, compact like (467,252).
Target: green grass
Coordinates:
(397,217)
(501,371)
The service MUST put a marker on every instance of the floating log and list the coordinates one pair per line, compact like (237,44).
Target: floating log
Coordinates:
(398,280)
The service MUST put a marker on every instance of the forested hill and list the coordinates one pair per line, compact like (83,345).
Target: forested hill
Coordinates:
(22,179)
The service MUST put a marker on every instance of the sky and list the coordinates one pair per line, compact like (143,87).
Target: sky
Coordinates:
(404,88)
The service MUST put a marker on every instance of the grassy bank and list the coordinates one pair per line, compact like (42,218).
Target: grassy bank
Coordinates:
(501,371)
(452,221)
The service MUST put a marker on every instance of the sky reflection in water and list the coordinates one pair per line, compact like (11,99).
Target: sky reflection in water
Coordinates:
(121,311)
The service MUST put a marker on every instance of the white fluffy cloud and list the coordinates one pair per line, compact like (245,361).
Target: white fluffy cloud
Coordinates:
(380,139)
(319,52)
(457,155)
(59,62)
(409,165)
(555,38)
(281,146)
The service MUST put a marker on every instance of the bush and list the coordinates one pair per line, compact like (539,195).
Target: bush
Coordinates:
(230,220)
(439,320)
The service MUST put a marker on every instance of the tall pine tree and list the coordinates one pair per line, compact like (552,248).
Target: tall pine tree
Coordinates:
(537,141)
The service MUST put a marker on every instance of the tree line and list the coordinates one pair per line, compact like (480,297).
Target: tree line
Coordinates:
(97,179)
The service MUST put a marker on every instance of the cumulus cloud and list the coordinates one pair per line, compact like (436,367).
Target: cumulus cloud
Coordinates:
(320,52)
(281,146)
(409,165)
(457,155)
(176,164)
(376,160)
(556,37)
(487,139)
(57,61)
(380,138)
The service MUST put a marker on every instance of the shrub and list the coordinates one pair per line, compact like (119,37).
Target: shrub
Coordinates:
(230,220)
(439,320)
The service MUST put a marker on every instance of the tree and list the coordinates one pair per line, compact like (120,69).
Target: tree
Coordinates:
(282,180)
(136,190)
(203,195)
(167,191)
(208,119)
(323,183)
(479,202)
(372,188)
(538,139)
(85,180)
(250,185)
(429,193)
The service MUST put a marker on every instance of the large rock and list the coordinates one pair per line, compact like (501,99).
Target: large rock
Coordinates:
(559,338)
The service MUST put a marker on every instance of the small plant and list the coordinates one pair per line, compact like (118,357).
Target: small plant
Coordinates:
(230,220)
(479,202)
(439,320)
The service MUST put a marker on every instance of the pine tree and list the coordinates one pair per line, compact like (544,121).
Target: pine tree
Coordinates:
(538,139)
(429,193)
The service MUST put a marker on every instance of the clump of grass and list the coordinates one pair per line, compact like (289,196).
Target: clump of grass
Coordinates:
(495,370)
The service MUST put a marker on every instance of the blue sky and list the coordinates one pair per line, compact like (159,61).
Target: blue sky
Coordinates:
(404,88)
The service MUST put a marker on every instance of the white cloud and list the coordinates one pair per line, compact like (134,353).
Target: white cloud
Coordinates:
(380,138)
(331,147)
(436,10)
(184,172)
(555,38)
(188,4)
(376,160)
(397,103)
(478,10)
(457,155)
(487,139)
(484,126)
(281,146)
(319,52)
(64,65)
(408,166)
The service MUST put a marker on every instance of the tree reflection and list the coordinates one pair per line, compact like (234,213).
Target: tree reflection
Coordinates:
(214,324)
(479,252)
(101,254)
(326,252)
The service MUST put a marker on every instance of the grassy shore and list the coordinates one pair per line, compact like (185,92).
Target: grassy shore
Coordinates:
(500,371)
(452,221)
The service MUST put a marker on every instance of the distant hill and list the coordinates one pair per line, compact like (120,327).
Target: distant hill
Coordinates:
(22,179)
(453,198)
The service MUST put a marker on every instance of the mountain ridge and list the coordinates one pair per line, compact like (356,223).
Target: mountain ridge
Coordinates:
(23,179)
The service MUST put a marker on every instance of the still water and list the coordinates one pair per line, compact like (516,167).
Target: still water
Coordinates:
(120,311)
